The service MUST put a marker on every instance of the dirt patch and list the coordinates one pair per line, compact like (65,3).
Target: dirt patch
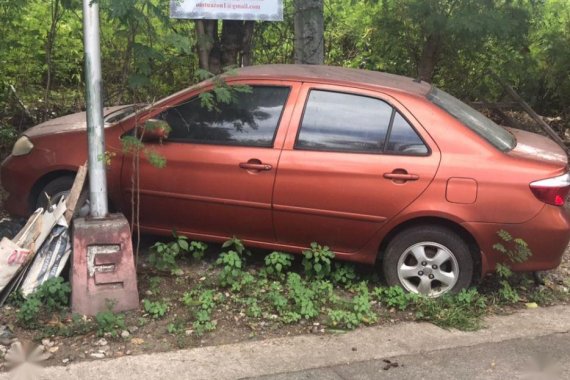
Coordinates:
(141,333)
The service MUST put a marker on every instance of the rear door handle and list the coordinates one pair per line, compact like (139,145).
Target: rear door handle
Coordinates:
(401,176)
(255,165)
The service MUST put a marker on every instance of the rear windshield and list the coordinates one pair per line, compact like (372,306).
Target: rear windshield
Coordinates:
(474,120)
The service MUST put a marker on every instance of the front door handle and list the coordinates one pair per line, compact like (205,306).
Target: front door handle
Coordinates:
(401,175)
(256,165)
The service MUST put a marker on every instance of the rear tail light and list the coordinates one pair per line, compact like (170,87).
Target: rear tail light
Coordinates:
(552,190)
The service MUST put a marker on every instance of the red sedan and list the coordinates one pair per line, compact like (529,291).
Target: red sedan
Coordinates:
(377,166)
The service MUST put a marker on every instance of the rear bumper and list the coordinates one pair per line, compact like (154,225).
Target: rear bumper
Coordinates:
(547,236)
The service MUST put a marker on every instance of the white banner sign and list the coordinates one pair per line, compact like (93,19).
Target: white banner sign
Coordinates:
(265,10)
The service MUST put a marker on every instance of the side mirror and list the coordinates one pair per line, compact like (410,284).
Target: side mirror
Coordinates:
(155,130)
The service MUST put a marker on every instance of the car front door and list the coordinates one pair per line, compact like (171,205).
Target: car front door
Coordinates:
(353,160)
(221,160)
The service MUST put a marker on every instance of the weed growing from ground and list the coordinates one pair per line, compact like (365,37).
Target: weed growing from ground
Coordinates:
(355,312)
(317,261)
(515,249)
(277,264)
(462,311)
(197,249)
(202,303)
(156,309)
(344,274)
(52,296)
(163,256)
(109,322)
(395,297)
(232,268)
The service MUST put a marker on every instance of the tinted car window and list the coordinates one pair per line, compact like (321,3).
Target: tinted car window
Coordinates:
(344,122)
(474,120)
(404,139)
(251,119)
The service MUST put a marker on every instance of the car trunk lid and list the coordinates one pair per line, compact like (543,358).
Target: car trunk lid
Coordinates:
(539,148)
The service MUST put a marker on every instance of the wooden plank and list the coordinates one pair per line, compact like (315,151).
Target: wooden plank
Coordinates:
(75,193)
(547,128)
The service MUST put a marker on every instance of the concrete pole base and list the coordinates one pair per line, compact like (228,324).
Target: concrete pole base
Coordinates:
(103,273)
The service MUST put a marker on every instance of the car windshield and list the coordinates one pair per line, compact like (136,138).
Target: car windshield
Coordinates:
(121,113)
(474,120)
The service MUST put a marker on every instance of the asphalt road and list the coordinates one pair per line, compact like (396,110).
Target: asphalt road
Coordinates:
(531,344)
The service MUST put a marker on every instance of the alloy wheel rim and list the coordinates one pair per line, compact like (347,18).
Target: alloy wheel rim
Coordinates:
(428,268)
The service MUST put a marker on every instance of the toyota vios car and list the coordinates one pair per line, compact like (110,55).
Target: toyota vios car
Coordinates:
(377,166)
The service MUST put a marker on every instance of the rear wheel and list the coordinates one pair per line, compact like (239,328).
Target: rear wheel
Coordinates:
(429,260)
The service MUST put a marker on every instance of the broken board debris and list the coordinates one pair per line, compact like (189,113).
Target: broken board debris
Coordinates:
(42,247)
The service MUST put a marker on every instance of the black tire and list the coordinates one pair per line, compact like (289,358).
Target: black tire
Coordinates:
(400,263)
(53,191)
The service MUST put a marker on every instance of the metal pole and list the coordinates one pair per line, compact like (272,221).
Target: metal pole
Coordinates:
(95,131)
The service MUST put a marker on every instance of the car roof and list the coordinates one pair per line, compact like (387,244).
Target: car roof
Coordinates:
(333,74)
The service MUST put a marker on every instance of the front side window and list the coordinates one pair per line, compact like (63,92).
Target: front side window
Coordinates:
(342,122)
(250,119)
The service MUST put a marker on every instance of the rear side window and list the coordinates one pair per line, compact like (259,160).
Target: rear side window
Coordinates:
(474,120)
(342,122)
(404,139)
(251,119)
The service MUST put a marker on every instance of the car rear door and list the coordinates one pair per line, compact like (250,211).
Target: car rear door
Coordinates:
(352,160)
(220,164)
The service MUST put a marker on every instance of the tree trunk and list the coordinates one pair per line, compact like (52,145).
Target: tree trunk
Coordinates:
(247,58)
(232,48)
(55,17)
(429,57)
(309,32)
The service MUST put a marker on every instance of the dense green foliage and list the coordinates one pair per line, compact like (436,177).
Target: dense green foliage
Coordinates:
(146,55)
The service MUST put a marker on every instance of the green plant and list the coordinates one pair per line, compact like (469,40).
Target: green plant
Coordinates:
(506,292)
(236,245)
(221,93)
(395,297)
(202,303)
(174,327)
(154,284)
(163,255)
(253,308)
(29,313)
(344,274)
(276,298)
(197,248)
(232,263)
(516,249)
(232,268)
(155,309)
(317,261)
(462,311)
(277,263)
(358,311)
(51,296)
(16,298)
(303,299)
(109,322)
